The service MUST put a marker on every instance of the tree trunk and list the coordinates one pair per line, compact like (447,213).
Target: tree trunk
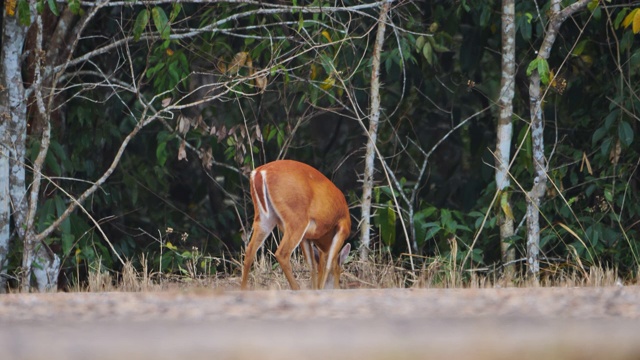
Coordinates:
(540,178)
(13,108)
(539,187)
(17,204)
(5,212)
(505,132)
(35,251)
(374,118)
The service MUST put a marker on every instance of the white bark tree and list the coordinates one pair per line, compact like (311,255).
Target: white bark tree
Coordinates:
(374,119)
(505,133)
(13,126)
(535,195)
(5,214)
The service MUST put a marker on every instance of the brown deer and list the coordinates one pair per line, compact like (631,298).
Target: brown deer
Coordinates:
(310,211)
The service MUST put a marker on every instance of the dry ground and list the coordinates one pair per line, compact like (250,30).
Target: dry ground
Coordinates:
(527,323)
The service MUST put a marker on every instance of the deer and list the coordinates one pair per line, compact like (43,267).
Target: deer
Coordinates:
(310,211)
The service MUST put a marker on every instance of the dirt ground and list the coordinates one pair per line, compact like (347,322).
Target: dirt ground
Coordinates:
(523,323)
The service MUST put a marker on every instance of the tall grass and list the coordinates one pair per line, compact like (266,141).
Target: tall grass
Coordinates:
(379,272)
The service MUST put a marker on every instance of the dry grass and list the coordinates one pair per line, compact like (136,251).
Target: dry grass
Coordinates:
(377,273)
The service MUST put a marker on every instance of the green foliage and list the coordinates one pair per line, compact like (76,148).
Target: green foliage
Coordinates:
(74,6)
(542,67)
(161,22)
(141,23)
(168,69)
(53,7)
(296,85)
(436,229)
(190,263)
(24,13)
(385,217)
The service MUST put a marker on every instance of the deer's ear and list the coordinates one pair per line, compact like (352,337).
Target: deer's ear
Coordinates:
(344,253)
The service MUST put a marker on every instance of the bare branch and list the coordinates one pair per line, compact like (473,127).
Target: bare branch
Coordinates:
(216,26)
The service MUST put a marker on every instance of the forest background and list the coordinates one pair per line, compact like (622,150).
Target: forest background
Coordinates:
(494,136)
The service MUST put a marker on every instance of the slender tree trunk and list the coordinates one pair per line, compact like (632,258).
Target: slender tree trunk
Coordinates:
(13,108)
(5,202)
(374,118)
(539,187)
(36,251)
(505,132)
(540,178)
(13,187)
(5,212)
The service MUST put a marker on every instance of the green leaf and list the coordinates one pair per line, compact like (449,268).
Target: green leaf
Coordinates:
(175,11)
(440,48)
(161,22)
(230,152)
(60,209)
(542,66)
(543,71)
(420,43)
(141,23)
(609,120)
(386,221)
(532,66)
(184,62)
(597,12)
(388,63)
(598,135)
(523,23)
(431,224)
(280,139)
(46,212)
(625,133)
(52,163)
(423,214)
(432,232)
(445,218)
(269,132)
(608,195)
(173,73)
(53,7)
(24,14)
(67,241)
(151,72)
(327,63)
(466,6)
(161,153)
(579,49)
(620,17)
(606,146)
(427,51)
(74,6)
(529,17)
